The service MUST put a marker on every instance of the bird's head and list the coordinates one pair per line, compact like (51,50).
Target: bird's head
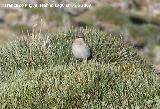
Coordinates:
(79,40)
(80,35)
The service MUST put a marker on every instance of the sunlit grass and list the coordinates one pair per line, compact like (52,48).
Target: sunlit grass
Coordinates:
(116,77)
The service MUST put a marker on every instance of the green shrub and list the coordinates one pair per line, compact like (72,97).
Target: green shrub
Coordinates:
(116,77)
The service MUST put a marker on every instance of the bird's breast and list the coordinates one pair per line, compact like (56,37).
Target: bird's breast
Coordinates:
(81,51)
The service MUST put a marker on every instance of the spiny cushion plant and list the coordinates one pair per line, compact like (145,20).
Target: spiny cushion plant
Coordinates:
(36,78)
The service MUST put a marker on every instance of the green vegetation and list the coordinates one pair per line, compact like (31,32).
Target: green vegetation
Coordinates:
(143,33)
(36,78)
(112,15)
(22,28)
(106,14)
(87,18)
(50,14)
(141,29)
(37,10)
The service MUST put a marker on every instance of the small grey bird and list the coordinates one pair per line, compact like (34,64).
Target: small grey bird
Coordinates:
(80,48)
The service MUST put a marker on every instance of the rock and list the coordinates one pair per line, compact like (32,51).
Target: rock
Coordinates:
(2,19)
(12,18)
(156,53)
(5,34)
(139,46)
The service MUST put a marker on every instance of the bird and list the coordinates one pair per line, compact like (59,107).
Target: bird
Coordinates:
(80,48)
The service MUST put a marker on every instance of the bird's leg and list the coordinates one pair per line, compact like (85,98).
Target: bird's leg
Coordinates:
(76,62)
(85,61)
